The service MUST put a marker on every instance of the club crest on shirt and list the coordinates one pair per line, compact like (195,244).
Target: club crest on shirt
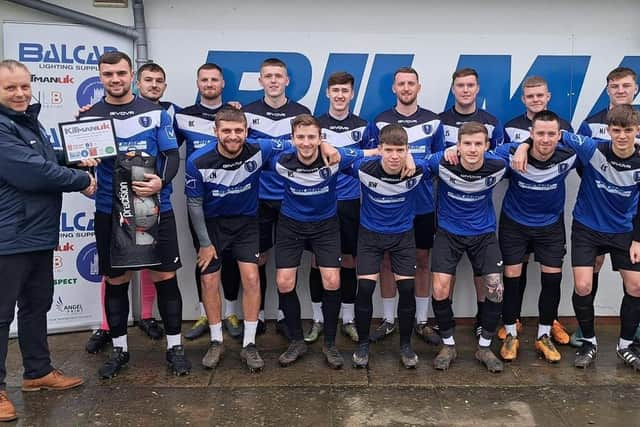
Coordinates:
(490,180)
(636,176)
(325,172)
(145,121)
(251,166)
(427,128)
(411,182)
(356,135)
(562,167)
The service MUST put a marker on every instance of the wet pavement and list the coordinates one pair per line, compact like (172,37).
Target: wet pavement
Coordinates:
(529,392)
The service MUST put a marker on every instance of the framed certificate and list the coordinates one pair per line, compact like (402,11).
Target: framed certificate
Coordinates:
(88,139)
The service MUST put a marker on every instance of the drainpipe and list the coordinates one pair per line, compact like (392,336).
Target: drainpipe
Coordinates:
(138,33)
(142,55)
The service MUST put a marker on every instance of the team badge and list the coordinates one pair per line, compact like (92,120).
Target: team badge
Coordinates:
(356,135)
(145,121)
(636,176)
(411,182)
(427,128)
(325,173)
(562,167)
(490,180)
(251,166)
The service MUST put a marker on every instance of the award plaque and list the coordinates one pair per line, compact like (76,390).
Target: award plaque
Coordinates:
(88,139)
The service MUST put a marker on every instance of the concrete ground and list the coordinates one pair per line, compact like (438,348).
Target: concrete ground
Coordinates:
(530,392)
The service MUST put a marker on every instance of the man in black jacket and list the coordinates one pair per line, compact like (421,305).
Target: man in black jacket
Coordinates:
(31,185)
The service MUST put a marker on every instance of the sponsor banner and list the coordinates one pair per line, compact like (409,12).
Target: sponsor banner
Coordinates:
(63,60)
(576,76)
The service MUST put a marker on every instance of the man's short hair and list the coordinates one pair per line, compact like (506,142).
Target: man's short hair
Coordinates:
(114,57)
(471,128)
(340,78)
(545,116)
(151,67)
(406,70)
(208,66)
(394,134)
(12,65)
(304,120)
(534,81)
(230,114)
(624,116)
(464,72)
(274,62)
(620,72)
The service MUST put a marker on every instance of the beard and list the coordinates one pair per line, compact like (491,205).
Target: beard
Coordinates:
(405,101)
(126,90)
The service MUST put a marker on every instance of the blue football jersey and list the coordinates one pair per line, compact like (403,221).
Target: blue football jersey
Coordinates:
(388,202)
(518,129)
(595,126)
(351,132)
(310,190)
(139,125)
(465,205)
(195,125)
(274,123)
(536,197)
(229,187)
(425,132)
(172,109)
(608,195)
(452,120)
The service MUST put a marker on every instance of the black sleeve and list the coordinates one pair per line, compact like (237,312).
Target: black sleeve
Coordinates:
(171,165)
(636,225)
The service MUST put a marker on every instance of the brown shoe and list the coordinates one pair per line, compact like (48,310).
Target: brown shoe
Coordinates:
(7,410)
(54,380)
